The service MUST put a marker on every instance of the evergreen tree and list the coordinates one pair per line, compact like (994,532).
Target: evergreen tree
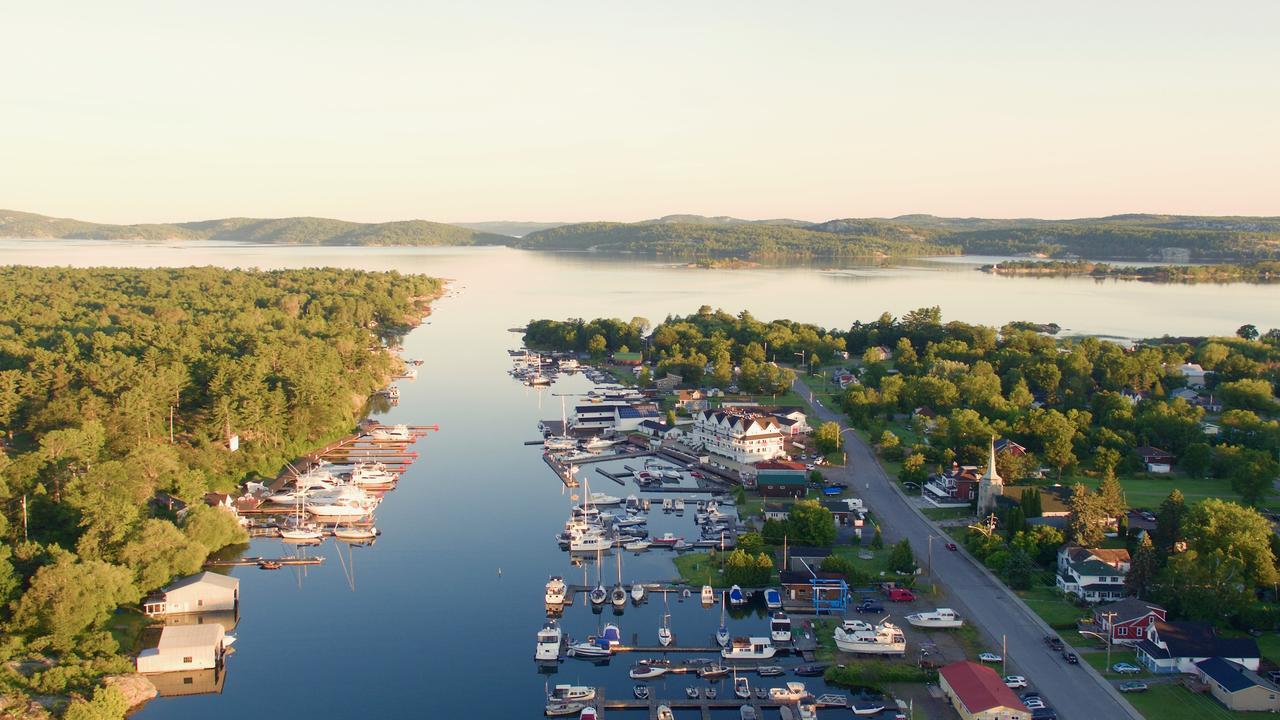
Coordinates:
(1169,524)
(1142,569)
(1087,519)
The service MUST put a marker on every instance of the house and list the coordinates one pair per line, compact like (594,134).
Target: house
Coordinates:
(1126,621)
(627,418)
(1193,373)
(1092,574)
(774,510)
(1186,394)
(1237,687)
(202,592)
(977,693)
(627,358)
(955,487)
(845,516)
(658,429)
(805,587)
(184,647)
(742,437)
(1004,445)
(781,478)
(1155,460)
(668,383)
(691,401)
(1171,647)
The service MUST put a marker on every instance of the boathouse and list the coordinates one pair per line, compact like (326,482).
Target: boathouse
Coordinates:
(185,647)
(203,592)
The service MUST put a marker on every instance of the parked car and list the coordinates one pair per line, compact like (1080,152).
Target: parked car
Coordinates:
(1129,686)
(952,547)
(897,594)
(1071,658)
(1024,697)
(1044,713)
(869,606)
(1015,681)
(1125,668)
(1035,703)
(990,657)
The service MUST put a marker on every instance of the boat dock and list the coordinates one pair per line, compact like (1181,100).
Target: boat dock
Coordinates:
(251,561)
(703,705)
(616,477)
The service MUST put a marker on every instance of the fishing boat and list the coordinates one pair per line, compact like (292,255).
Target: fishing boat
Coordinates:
(548,645)
(722,632)
(645,671)
(736,597)
(741,687)
(708,595)
(572,693)
(770,671)
(391,433)
(637,593)
(641,692)
(748,648)
(814,670)
(712,672)
(793,692)
(772,599)
(940,618)
(780,628)
(856,636)
(664,713)
(555,591)
(667,540)
(564,709)
(637,545)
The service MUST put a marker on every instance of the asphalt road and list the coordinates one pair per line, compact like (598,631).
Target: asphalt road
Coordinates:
(1077,692)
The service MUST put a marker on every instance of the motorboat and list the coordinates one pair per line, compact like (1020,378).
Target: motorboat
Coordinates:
(681,546)
(692,693)
(856,636)
(804,711)
(674,475)
(351,533)
(814,670)
(736,597)
(667,540)
(641,692)
(556,708)
(793,692)
(645,671)
(708,595)
(555,591)
(678,505)
(637,592)
(748,648)
(780,628)
(633,503)
(589,713)
(712,672)
(391,433)
(742,688)
(709,693)
(940,618)
(664,713)
(770,671)
(372,475)
(559,442)
(747,712)
(588,649)
(667,505)
(631,521)
(611,636)
(604,500)
(862,706)
(343,507)
(598,443)
(590,541)
(637,545)
(772,599)
(572,693)
(548,646)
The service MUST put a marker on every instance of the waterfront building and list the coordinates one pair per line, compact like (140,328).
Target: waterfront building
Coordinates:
(185,647)
(742,437)
(202,592)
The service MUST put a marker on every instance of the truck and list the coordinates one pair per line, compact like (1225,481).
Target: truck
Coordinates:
(899,594)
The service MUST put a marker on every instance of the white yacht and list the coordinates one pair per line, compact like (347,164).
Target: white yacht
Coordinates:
(708,595)
(557,442)
(567,693)
(555,592)
(856,636)
(589,541)
(602,499)
(351,533)
(637,545)
(548,647)
(940,618)
(780,628)
(678,505)
(749,648)
(372,474)
(793,692)
(304,533)
(391,433)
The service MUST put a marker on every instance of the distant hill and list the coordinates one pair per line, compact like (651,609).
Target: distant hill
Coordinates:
(510,228)
(721,220)
(283,231)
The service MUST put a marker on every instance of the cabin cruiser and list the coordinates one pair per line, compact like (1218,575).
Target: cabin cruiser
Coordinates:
(748,648)
(589,649)
(708,595)
(610,636)
(780,628)
(371,473)
(598,443)
(645,671)
(856,636)
(590,541)
(391,433)
(555,591)
(631,521)
(637,545)
(793,692)
(346,506)
(633,504)
(603,499)
(940,618)
(667,540)
(678,505)
(572,693)
(555,708)
(548,647)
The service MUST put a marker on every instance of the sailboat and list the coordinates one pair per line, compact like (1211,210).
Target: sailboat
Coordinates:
(618,596)
(722,632)
(598,596)
(664,632)
(301,530)
(351,533)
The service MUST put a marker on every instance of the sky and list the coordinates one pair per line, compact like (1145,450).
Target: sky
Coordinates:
(593,110)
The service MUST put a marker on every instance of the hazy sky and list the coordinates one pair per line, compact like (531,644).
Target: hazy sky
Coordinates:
(578,110)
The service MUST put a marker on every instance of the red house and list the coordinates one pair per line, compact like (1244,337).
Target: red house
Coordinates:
(1127,620)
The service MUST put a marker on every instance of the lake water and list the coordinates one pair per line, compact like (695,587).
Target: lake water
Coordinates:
(438,618)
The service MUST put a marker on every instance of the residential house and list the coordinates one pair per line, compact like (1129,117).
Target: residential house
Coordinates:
(774,510)
(1092,574)
(691,401)
(741,437)
(1176,647)
(668,383)
(202,592)
(184,647)
(845,516)
(1186,394)
(801,584)
(978,693)
(781,479)
(955,487)
(1126,621)
(658,429)
(1004,445)
(1194,374)
(1155,460)
(1237,687)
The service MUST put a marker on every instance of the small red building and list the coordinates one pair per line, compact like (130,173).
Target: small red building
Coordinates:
(1127,620)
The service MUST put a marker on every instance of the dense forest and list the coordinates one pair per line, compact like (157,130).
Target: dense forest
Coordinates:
(283,231)
(118,384)
(1263,271)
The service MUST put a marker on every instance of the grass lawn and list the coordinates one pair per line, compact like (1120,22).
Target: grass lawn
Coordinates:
(948,513)
(1269,644)
(1174,702)
(1049,604)
(879,562)
(1098,659)
(697,568)
(1149,492)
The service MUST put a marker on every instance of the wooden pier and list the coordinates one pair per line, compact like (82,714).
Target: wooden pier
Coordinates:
(704,705)
(251,561)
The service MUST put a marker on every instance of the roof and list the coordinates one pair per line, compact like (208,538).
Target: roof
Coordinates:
(802,577)
(1127,609)
(779,465)
(205,578)
(837,506)
(780,477)
(1093,568)
(173,637)
(1232,677)
(1198,639)
(979,688)
(1147,451)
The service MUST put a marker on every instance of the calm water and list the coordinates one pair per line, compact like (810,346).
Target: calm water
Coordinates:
(438,618)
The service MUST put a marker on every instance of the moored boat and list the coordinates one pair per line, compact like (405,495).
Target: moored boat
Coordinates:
(548,644)
(712,672)
(555,591)
(736,597)
(708,595)
(772,599)
(645,671)
(780,628)
(748,648)
(812,670)
(856,636)
(572,693)
(564,709)
(637,593)
(940,618)
(793,692)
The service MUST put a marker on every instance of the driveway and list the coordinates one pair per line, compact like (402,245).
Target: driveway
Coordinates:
(1077,692)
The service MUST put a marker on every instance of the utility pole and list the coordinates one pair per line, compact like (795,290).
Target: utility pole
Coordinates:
(1004,655)
(1110,619)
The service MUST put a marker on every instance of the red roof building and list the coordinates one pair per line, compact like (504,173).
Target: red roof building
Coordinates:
(978,693)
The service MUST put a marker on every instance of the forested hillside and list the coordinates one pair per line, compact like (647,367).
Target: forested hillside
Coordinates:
(92,364)
(284,231)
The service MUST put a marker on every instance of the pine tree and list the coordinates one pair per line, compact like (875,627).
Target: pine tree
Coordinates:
(1169,523)
(1142,569)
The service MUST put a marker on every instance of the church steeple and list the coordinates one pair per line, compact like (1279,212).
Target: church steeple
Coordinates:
(991,486)
(991,473)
